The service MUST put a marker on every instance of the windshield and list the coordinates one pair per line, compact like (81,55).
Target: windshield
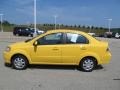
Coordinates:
(28,40)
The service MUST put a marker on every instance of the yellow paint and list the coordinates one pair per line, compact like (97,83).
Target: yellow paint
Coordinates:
(62,54)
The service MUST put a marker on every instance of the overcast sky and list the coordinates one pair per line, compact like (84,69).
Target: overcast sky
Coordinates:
(71,12)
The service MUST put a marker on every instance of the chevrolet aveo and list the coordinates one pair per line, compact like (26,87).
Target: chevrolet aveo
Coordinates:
(59,47)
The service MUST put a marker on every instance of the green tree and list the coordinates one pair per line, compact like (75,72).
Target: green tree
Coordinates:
(79,26)
(75,26)
(83,26)
(92,27)
(88,27)
(5,22)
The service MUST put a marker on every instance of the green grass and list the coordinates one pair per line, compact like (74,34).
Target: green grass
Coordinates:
(8,28)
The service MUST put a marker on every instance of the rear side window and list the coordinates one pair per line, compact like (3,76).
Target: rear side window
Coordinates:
(72,38)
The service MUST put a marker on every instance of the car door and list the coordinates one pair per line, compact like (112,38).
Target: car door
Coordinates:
(48,50)
(76,44)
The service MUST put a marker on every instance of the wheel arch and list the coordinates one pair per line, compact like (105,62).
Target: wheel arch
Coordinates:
(17,54)
(90,55)
(94,58)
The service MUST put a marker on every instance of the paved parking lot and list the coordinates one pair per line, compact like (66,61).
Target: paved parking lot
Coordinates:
(57,77)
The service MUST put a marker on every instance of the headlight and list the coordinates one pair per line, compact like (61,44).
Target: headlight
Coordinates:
(7,49)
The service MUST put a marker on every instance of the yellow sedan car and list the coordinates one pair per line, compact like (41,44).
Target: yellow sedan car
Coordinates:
(59,47)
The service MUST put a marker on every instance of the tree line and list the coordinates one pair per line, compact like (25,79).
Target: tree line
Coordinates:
(93,29)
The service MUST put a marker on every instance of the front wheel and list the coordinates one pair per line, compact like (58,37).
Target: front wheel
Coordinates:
(87,64)
(19,62)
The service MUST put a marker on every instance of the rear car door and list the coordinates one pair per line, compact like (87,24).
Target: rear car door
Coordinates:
(75,45)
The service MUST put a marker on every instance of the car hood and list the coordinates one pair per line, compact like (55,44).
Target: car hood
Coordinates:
(18,44)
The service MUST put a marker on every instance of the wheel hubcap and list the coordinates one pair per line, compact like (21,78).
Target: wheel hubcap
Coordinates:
(19,63)
(88,64)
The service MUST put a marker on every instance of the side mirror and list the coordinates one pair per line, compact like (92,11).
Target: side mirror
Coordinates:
(35,43)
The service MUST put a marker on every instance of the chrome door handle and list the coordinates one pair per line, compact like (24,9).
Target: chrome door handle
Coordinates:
(55,49)
(83,48)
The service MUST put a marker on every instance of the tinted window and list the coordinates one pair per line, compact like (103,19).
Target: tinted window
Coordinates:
(76,38)
(50,39)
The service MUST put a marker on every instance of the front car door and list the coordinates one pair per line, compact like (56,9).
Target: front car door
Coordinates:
(48,50)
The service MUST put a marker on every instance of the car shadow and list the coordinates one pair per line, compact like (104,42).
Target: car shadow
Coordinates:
(61,67)
(58,67)
(99,67)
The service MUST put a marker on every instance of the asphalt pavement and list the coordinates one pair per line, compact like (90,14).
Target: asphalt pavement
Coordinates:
(106,77)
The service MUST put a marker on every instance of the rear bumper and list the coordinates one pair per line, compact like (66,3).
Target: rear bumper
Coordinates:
(106,58)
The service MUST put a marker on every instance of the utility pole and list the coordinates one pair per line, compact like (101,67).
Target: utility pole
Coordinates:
(1,19)
(55,17)
(59,26)
(35,18)
(90,29)
(109,23)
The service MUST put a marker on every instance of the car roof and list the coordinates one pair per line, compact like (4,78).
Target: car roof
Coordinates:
(90,38)
(64,30)
(71,31)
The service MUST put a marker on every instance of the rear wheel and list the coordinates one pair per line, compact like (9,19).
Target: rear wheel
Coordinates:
(31,35)
(19,62)
(87,64)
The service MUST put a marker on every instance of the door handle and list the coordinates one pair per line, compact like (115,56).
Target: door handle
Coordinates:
(55,49)
(83,48)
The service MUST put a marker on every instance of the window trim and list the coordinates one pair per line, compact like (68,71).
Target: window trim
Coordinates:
(62,39)
(65,39)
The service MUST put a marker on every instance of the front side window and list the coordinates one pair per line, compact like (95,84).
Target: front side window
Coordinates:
(51,39)
(73,38)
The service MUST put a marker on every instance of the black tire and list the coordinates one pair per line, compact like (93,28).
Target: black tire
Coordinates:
(88,64)
(19,62)
(31,35)
(14,34)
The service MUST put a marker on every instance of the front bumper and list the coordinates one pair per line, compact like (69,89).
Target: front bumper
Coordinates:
(7,57)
